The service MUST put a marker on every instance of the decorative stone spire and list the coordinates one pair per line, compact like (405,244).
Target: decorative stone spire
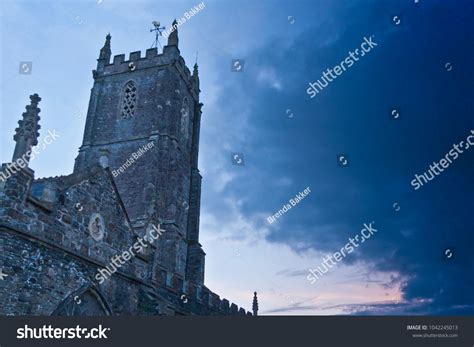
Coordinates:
(105,53)
(255,304)
(196,76)
(27,134)
(173,37)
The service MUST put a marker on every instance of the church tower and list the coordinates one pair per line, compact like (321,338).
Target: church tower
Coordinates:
(143,124)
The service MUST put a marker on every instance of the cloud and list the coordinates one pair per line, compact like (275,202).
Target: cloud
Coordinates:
(351,116)
(268,77)
(292,273)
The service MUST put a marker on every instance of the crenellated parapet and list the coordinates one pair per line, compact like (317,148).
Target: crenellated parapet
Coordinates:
(193,297)
(138,64)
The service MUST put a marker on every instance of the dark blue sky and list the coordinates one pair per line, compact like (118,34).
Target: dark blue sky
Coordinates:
(403,269)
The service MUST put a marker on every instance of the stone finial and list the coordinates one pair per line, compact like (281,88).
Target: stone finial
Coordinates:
(27,134)
(105,52)
(255,304)
(196,75)
(173,37)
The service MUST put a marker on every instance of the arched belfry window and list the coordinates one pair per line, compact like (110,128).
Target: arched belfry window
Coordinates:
(185,118)
(129,101)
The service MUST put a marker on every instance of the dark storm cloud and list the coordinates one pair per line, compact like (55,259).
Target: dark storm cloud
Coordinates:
(407,72)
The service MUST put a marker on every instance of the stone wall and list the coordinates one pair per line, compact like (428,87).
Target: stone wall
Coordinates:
(51,259)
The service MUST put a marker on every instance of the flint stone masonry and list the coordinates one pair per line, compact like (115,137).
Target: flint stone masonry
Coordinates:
(56,233)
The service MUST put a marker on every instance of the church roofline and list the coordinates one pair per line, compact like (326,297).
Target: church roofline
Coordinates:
(63,183)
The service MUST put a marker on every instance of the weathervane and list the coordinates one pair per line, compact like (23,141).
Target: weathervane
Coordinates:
(157,31)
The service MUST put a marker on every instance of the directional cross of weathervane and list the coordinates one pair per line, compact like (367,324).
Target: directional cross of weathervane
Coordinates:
(158,30)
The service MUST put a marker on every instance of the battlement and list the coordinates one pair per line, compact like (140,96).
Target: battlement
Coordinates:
(134,63)
(152,59)
(194,295)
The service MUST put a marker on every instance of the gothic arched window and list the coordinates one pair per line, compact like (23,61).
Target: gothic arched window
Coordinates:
(185,118)
(129,101)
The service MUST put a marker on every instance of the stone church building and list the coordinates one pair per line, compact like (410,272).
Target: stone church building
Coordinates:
(74,245)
